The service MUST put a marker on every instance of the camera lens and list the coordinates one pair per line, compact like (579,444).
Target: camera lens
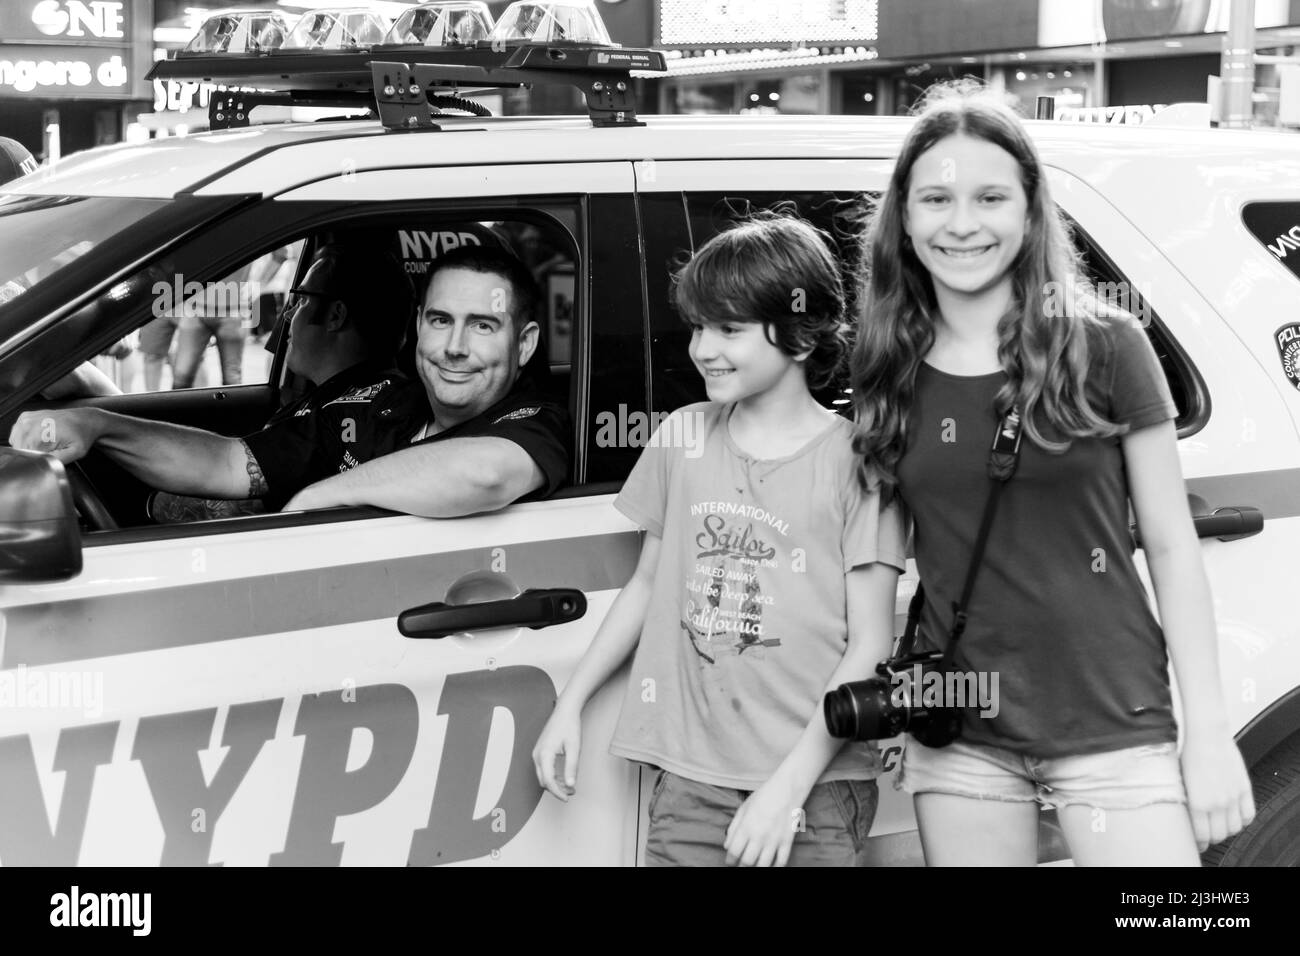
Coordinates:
(862,710)
(841,712)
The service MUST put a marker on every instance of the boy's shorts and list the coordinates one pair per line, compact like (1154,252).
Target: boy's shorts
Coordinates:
(689,820)
(1114,780)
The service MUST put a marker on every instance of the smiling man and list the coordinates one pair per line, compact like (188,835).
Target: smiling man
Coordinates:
(473,435)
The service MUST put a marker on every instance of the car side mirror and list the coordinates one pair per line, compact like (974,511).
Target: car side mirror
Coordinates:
(40,539)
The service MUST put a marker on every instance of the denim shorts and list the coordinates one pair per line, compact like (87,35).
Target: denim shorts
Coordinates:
(689,820)
(1114,780)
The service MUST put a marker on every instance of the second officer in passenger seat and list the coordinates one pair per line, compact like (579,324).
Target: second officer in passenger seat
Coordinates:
(330,350)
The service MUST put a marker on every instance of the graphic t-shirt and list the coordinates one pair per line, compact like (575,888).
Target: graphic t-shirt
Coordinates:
(1059,612)
(747,615)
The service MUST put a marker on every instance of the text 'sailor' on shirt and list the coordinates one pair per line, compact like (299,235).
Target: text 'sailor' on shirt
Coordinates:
(747,617)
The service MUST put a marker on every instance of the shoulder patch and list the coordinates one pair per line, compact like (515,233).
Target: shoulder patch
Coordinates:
(1288,348)
(366,393)
(528,411)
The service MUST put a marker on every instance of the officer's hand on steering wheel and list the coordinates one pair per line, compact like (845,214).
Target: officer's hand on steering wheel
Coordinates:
(67,434)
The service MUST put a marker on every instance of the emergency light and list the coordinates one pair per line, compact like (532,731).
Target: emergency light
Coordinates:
(564,21)
(414,71)
(240,31)
(338,29)
(456,24)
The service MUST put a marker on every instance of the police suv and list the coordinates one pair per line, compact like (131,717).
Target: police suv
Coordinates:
(309,687)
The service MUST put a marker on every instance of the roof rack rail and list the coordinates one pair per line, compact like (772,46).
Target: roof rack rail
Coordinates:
(404,83)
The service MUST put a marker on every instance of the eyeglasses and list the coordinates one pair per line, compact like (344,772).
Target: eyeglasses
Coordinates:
(299,296)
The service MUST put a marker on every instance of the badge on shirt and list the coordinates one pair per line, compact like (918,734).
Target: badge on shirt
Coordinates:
(1288,347)
(366,393)
(526,412)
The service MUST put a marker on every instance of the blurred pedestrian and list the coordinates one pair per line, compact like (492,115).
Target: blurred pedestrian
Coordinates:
(15,160)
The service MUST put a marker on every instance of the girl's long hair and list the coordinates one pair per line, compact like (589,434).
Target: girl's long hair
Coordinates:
(1043,339)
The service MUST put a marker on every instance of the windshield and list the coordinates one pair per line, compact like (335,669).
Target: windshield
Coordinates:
(42,235)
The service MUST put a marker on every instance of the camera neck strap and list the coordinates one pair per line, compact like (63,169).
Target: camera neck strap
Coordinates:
(1002,461)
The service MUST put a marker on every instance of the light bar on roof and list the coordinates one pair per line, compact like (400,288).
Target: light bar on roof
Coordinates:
(563,21)
(338,29)
(240,31)
(452,24)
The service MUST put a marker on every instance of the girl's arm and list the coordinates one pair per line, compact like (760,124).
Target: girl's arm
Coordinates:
(1218,787)
(764,827)
(614,641)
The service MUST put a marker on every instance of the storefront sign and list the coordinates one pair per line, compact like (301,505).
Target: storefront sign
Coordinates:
(66,21)
(48,72)
(181,96)
(72,49)
(73,18)
(699,22)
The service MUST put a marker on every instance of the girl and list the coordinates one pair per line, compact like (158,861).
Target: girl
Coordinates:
(766,577)
(973,304)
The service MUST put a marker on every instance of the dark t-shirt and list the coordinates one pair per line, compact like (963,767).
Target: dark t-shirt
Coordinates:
(1058,612)
(366,422)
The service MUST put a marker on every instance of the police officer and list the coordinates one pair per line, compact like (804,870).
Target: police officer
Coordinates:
(330,351)
(473,435)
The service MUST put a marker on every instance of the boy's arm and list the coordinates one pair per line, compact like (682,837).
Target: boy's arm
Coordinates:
(618,633)
(617,636)
(870,592)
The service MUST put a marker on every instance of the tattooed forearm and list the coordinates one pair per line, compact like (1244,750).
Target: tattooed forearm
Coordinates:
(166,508)
(256,480)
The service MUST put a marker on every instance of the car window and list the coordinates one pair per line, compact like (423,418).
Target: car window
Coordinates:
(204,334)
(841,215)
(1185,385)
(1277,227)
(838,214)
(252,297)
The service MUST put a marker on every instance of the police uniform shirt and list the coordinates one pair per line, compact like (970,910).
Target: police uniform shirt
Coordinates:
(367,422)
(355,376)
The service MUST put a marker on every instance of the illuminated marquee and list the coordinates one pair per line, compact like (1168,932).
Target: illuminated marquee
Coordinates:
(85,72)
(70,49)
(694,22)
(103,19)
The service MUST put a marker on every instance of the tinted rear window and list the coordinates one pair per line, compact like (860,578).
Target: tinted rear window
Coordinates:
(1277,226)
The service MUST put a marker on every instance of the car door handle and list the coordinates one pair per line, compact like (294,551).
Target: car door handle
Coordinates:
(1229,524)
(1226,524)
(534,609)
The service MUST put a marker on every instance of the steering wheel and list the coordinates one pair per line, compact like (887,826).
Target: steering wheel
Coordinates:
(87,501)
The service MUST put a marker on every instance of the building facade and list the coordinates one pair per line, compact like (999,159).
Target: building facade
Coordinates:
(878,56)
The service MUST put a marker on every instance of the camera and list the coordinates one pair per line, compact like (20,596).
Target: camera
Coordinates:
(890,703)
